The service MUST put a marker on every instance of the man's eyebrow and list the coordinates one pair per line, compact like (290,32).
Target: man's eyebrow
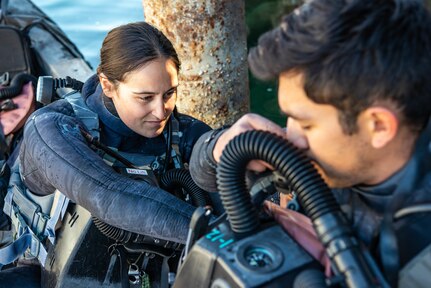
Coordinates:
(296,116)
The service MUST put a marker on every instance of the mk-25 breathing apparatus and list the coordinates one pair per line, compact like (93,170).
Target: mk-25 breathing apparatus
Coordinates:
(243,252)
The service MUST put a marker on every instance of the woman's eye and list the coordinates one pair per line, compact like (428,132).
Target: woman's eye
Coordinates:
(169,94)
(147,98)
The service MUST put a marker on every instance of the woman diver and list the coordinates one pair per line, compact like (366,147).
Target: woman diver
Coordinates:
(131,103)
(134,95)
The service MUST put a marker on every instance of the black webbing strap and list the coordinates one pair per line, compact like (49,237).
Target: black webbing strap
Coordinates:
(388,249)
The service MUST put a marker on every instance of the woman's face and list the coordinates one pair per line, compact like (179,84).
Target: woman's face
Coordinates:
(146,98)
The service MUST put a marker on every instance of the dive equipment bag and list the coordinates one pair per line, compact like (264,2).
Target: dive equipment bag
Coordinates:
(15,56)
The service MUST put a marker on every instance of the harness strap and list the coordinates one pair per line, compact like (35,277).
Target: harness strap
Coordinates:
(57,213)
(164,281)
(112,261)
(27,240)
(89,118)
(176,136)
(24,212)
(388,248)
(31,221)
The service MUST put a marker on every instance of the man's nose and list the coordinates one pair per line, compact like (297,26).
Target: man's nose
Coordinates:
(295,134)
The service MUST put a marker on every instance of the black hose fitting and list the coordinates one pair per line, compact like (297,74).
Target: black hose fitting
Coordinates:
(68,82)
(313,195)
(47,87)
(181,178)
(16,85)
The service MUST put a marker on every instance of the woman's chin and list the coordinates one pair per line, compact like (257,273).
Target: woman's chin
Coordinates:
(151,133)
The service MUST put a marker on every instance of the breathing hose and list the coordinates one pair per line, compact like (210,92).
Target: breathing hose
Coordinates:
(181,178)
(127,237)
(313,195)
(16,84)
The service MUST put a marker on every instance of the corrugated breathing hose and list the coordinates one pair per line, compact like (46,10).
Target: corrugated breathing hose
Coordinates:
(313,195)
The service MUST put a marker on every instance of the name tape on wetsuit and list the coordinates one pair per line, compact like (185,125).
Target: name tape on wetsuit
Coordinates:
(136,171)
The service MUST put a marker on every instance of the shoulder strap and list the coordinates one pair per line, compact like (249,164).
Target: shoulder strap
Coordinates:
(26,241)
(58,210)
(176,135)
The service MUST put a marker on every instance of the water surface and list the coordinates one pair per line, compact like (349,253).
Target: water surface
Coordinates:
(87,22)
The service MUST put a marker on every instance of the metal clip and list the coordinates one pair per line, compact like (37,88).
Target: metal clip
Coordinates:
(134,274)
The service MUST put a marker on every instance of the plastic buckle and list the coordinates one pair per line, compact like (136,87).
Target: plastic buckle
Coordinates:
(37,250)
(34,246)
(41,224)
(176,159)
(19,222)
(4,79)
(178,134)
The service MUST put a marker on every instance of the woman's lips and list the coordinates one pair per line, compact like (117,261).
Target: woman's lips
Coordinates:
(154,123)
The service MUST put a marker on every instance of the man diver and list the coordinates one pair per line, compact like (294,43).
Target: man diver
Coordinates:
(353,81)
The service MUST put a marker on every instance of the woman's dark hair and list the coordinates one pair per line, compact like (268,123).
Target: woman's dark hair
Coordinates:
(354,54)
(129,47)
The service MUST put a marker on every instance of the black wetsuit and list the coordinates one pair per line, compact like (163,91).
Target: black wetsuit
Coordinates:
(55,155)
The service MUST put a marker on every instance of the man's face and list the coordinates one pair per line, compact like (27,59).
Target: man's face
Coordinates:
(343,160)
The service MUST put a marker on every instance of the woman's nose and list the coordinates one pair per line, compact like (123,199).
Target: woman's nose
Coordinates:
(295,134)
(159,109)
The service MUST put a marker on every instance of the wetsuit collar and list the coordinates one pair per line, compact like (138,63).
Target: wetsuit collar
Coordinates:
(93,96)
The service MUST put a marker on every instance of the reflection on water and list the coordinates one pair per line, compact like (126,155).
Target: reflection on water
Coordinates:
(87,22)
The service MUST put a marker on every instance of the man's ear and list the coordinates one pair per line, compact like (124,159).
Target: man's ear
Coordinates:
(107,87)
(382,124)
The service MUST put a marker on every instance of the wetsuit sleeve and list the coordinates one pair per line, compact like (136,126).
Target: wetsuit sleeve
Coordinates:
(192,129)
(202,164)
(54,154)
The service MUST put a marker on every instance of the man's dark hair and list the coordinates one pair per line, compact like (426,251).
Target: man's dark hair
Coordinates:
(130,46)
(353,54)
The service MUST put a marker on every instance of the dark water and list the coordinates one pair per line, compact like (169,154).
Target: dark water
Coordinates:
(87,22)
(262,16)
